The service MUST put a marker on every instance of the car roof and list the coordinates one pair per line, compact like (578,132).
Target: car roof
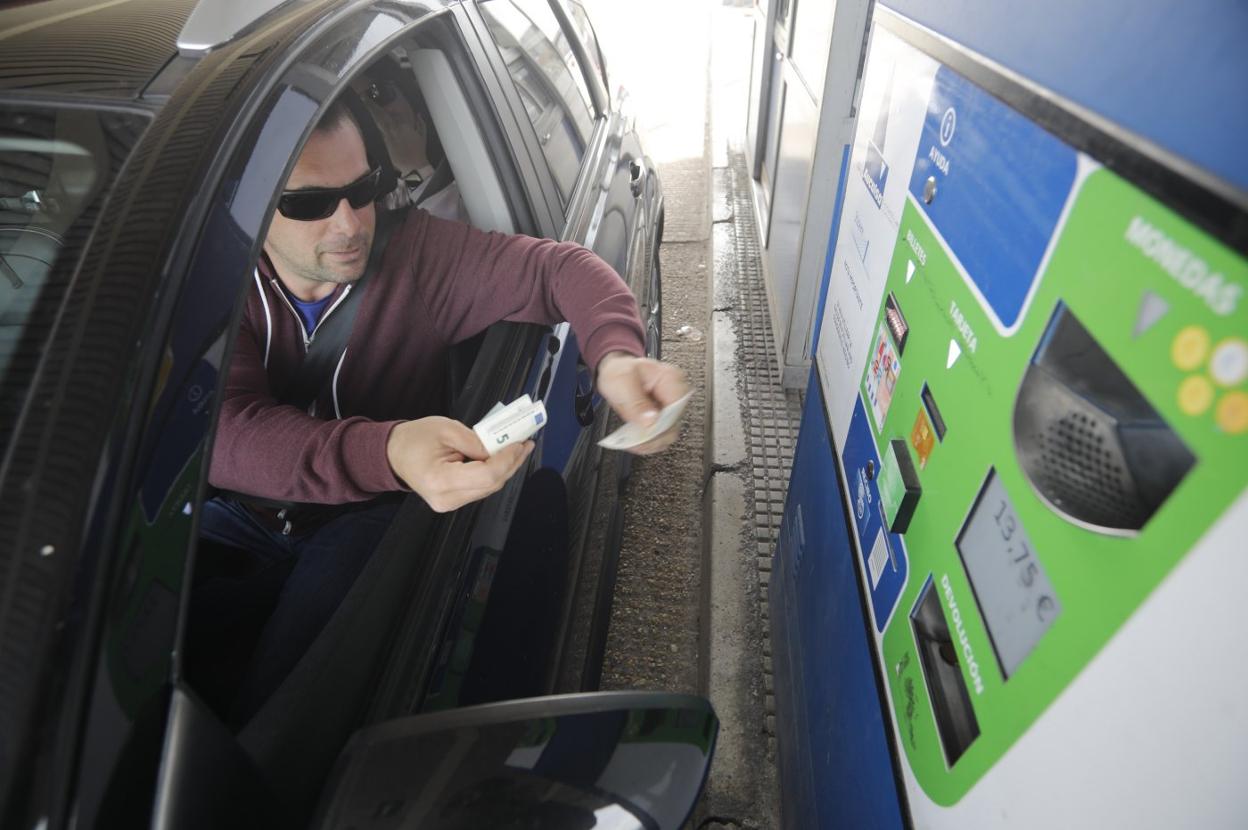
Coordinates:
(112,49)
(97,48)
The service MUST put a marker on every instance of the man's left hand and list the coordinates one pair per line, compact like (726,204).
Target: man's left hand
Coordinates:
(637,388)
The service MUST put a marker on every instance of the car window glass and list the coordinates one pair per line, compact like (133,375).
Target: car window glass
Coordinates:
(585,30)
(549,79)
(55,169)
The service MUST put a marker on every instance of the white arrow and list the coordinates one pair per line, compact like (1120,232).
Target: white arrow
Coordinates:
(1152,309)
(955,351)
(909,271)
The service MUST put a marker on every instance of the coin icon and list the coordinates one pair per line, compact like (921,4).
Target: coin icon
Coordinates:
(1190,347)
(1195,395)
(1232,413)
(1229,364)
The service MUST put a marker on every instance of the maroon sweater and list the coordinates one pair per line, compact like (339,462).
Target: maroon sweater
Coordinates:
(439,283)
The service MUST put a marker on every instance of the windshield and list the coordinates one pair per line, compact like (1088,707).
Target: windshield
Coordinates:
(56,166)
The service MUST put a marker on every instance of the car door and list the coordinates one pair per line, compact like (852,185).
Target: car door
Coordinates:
(381,647)
(130,723)
(127,437)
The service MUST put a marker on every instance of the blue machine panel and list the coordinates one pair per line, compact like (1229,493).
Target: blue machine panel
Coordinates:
(883,553)
(835,764)
(1171,72)
(970,144)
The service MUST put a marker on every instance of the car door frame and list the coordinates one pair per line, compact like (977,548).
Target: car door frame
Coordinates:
(232,238)
(503,364)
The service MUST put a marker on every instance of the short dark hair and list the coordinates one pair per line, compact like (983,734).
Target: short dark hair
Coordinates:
(334,117)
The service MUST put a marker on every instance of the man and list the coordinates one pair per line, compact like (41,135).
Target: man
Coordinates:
(376,427)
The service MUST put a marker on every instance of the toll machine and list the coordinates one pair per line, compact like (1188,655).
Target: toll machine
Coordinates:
(1008,590)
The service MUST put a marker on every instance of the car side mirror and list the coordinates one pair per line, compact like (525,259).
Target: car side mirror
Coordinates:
(617,760)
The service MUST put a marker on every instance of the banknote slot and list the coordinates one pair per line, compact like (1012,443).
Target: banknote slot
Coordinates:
(899,486)
(897,325)
(938,654)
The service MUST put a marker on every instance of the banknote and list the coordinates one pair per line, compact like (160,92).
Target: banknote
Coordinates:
(510,424)
(634,435)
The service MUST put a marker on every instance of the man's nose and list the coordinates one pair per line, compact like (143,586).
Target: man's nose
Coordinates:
(345,217)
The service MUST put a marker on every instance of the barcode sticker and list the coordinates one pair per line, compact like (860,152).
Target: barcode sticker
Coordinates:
(877,559)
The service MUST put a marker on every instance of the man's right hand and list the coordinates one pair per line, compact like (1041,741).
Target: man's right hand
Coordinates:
(444,462)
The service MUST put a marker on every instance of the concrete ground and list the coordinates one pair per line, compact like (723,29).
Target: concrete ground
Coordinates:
(652,638)
(701,519)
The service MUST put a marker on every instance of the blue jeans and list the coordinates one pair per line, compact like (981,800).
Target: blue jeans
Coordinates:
(250,577)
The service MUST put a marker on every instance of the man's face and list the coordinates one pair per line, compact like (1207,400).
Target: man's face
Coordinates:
(312,256)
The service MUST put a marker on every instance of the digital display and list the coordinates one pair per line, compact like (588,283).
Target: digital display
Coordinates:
(1014,594)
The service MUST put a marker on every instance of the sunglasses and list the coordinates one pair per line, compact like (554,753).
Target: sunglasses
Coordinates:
(321,202)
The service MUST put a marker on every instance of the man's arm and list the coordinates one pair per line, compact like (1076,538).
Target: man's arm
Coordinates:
(479,278)
(472,279)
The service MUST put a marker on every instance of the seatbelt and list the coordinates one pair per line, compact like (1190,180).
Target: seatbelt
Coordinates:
(317,370)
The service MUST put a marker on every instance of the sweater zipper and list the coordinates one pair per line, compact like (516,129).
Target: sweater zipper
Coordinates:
(303,332)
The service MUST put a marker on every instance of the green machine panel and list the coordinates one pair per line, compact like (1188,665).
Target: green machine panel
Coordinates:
(1039,399)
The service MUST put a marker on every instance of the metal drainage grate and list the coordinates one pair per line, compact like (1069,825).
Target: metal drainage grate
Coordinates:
(771,414)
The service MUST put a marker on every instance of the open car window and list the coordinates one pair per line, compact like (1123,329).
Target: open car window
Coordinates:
(420,105)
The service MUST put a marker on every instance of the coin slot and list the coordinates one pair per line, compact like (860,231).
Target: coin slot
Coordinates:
(1088,440)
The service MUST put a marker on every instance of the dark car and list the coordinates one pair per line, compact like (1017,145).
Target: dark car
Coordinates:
(143,146)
